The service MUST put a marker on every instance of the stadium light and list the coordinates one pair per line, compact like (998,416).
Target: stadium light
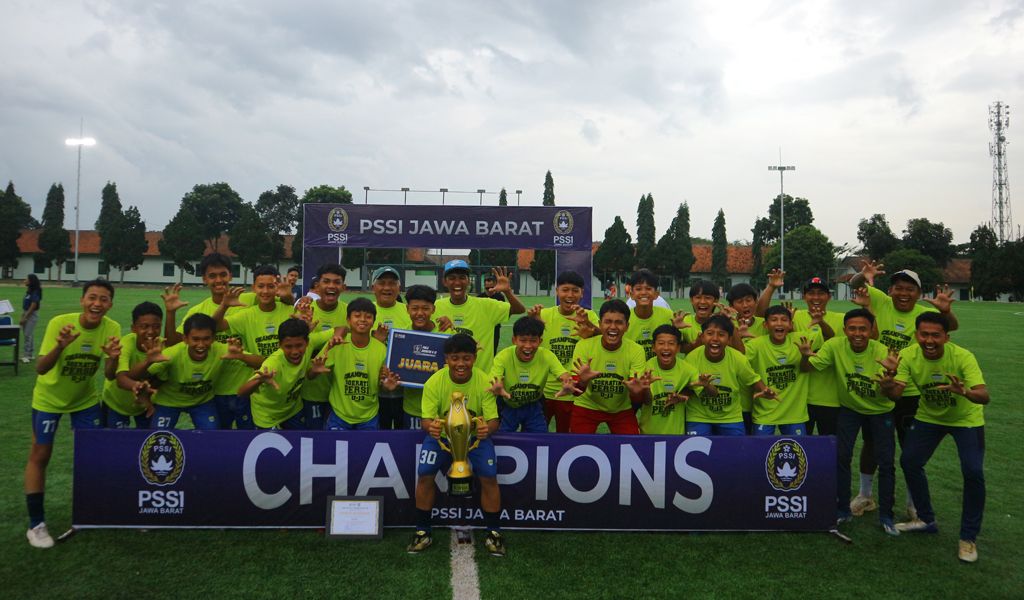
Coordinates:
(481,192)
(443,192)
(519,193)
(782,215)
(78,142)
(405,195)
(366,194)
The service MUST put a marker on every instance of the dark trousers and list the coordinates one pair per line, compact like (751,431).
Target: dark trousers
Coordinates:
(848,425)
(391,412)
(822,417)
(922,440)
(902,416)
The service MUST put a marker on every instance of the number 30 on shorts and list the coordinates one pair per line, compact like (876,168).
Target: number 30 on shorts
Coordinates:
(428,457)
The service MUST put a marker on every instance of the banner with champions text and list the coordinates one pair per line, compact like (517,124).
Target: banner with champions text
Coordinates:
(281,479)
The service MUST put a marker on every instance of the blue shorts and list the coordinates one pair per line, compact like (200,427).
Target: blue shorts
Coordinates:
(695,428)
(204,416)
(44,424)
(295,423)
(482,459)
(411,421)
(336,423)
(314,414)
(793,429)
(116,420)
(233,409)
(530,417)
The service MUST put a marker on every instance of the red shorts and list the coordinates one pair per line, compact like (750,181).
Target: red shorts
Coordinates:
(561,410)
(585,420)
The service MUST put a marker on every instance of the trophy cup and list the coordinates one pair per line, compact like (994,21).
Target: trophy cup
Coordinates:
(458,426)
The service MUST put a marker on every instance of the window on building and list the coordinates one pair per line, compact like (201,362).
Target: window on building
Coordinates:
(103,268)
(236,270)
(69,267)
(39,266)
(169,269)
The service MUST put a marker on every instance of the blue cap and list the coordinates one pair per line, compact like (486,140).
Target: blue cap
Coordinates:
(456,265)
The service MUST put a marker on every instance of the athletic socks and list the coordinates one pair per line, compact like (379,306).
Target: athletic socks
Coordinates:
(866,484)
(423,520)
(35,508)
(492,520)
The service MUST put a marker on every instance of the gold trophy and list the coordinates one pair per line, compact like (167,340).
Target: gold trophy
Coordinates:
(458,426)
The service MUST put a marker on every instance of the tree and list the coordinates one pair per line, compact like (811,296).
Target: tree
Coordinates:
(909,258)
(615,255)
(250,239)
(15,215)
(278,209)
(183,241)
(645,231)
(328,195)
(876,236)
(808,254)
(216,207)
(131,241)
(110,211)
(503,198)
(931,239)
(988,277)
(674,252)
(797,213)
(719,252)
(1013,262)
(757,278)
(542,267)
(53,239)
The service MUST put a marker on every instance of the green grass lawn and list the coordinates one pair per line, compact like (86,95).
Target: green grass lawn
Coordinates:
(232,563)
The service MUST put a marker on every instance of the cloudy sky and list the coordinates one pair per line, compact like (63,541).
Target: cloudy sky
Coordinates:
(882,106)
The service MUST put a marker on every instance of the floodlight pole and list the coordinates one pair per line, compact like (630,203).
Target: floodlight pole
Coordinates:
(782,214)
(79,142)
(519,194)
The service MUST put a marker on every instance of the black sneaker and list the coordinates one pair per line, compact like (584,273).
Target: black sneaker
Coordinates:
(495,543)
(420,542)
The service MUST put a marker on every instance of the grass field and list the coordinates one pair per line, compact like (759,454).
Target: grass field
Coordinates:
(235,564)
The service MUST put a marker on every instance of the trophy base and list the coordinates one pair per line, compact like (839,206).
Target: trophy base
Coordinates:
(460,486)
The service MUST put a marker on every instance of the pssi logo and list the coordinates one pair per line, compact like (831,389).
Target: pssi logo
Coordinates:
(162,458)
(786,465)
(337,220)
(563,222)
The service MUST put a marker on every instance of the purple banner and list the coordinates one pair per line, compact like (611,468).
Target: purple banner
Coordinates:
(137,478)
(415,355)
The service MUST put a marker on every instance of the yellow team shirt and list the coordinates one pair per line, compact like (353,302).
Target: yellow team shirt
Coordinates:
(476,317)
(822,386)
(69,385)
(732,375)
(942,407)
(778,366)
(655,417)
(318,389)
(186,382)
(437,395)
(526,381)
(856,373)
(606,392)
(120,400)
(560,338)
(355,374)
(234,373)
(895,329)
(641,331)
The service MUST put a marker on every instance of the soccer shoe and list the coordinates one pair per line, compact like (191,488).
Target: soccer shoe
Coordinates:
(911,512)
(25,360)
(862,504)
(968,551)
(39,536)
(843,517)
(917,526)
(495,543)
(889,528)
(420,542)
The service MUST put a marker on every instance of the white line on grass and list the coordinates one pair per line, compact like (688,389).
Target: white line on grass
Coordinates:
(465,583)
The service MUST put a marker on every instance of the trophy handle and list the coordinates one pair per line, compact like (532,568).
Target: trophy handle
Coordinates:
(444,446)
(476,440)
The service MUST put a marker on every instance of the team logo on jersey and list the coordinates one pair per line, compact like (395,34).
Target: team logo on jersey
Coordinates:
(938,376)
(858,369)
(162,458)
(565,331)
(670,387)
(197,376)
(610,367)
(458,321)
(563,222)
(337,219)
(360,366)
(524,377)
(781,359)
(86,347)
(786,465)
(269,328)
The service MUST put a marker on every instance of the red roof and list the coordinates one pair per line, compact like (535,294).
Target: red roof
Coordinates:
(89,243)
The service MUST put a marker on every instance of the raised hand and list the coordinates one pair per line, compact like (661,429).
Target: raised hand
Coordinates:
(143,394)
(155,351)
(444,324)
(860,297)
(112,348)
(676,398)
(640,382)
(266,375)
(679,319)
(767,393)
(870,269)
(776,278)
(318,366)
(805,347)
(534,312)
(235,350)
(498,388)
(943,299)
(891,362)
(725,309)
(231,298)
(381,333)
(817,314)
(955,385)
(788,305)
(584,327)
(502,282)
(568,387)
(584,372)
(67,335)
(389,380)
(172,298)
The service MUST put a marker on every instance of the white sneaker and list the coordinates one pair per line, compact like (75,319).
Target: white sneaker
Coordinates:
(911,513)
(967,551)
(862,504)
(39,536)
(25,360)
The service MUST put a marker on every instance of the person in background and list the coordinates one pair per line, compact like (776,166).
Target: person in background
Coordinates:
(29,316)
(292,277)
(489,282)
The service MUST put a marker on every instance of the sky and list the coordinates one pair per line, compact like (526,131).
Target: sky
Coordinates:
(881,106)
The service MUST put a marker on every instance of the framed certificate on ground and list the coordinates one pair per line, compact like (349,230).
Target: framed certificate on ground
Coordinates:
(355,517)
(415,355)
